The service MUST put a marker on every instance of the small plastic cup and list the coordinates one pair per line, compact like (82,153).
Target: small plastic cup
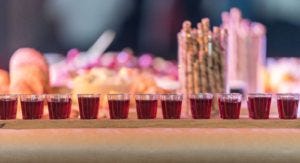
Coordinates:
(287,105)
(8,106)
(201,105)
(88,105)
(171,105)
(230,105)
(59,106)
(259,105)
(32,106)
(146,106)
(118,105)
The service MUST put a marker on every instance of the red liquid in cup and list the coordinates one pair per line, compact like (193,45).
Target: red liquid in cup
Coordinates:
(201,108)
(259,107)
(59,109)
(229,109)
(8,108)
(146,109)
(287,108)
(171,109)
(88,107)
(118,109)
(32,109)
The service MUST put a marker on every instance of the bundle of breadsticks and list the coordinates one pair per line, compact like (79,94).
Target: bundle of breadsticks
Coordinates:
(246,51)
(202,59)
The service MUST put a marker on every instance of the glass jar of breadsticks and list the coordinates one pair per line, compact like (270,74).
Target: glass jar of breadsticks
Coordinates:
(201,60)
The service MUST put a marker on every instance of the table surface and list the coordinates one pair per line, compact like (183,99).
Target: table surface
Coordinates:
(132,140)
(155,123)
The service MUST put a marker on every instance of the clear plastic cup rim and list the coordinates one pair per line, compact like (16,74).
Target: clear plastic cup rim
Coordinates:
(32,97)
(259,95)
(236,94)
(58,97)
(118,96)
(59,94)
(115,94)
(171,97)
(201,96)
(230,96)
(171,94)
(288,96)
(147,96)
(88,95)
(150,94)
(9,96)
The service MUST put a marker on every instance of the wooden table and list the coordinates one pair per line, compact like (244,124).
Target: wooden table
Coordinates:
(184,140)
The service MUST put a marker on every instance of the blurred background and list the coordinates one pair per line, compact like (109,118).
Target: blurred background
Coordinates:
(143,25)
(260,54)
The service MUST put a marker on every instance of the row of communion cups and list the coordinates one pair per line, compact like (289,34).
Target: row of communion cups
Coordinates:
(229,104)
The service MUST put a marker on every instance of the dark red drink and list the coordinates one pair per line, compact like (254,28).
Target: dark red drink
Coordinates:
(230,106)
(8,107)
(88,106)
(146,109)
(59,106)
(287,107)
(118,109)
(259,106)
(32,109)
(171,109)
(201,108)
(171,105)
